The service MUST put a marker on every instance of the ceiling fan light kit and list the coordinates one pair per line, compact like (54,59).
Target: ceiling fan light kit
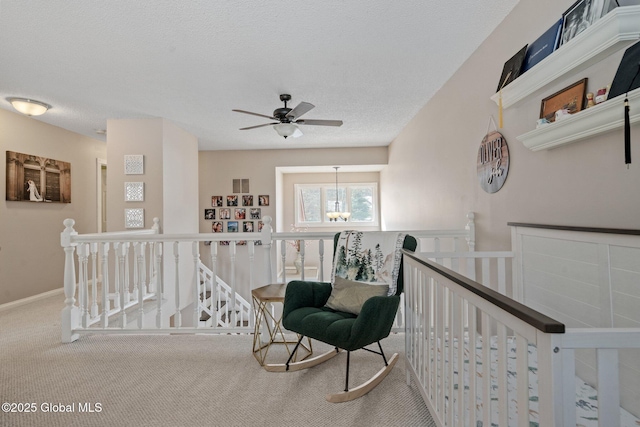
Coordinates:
(288,119)
(286,129)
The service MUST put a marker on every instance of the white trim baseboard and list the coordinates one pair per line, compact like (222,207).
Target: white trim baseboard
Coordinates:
(29,300)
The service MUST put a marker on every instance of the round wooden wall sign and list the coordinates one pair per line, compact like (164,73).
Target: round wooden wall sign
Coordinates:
(493,162)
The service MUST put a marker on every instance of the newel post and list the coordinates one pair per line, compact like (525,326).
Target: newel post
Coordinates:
(267,235)
(471,231)
(70,313)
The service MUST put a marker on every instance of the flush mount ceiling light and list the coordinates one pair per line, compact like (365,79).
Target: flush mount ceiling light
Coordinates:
(29,107)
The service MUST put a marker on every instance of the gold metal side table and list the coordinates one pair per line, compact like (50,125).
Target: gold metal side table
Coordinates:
(265,318)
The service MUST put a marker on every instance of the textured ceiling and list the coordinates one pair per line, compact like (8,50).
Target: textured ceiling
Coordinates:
(372,64)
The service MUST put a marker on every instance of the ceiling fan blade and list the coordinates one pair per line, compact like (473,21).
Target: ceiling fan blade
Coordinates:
(255,114)
(320,122)
(258,126)
(302,108)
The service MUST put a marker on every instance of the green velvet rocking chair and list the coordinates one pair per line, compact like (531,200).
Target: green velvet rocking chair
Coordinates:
(344,314)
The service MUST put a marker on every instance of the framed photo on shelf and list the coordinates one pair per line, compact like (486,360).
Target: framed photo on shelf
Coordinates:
(570,98)
(247,200)
(512,68)
(225,213)
(209,214)
(263,200)
(581,15)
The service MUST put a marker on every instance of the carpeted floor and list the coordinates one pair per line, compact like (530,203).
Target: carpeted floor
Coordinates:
(195,380)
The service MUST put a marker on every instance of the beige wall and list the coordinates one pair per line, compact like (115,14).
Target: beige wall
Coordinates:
(433,161)
(171,188)
(31,259)
(217,169)
(127,137)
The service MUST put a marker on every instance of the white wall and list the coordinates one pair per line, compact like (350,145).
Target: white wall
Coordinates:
(31,259)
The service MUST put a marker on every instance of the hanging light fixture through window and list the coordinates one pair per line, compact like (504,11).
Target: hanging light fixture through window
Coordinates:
(333,216)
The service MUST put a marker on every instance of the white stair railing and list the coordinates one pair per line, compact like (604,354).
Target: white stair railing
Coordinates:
(156,283)
(220,299)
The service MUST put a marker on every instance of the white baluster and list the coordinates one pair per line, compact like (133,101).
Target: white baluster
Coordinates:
(152,278)
(252,251)
(83,286)
(105,284)
(94,282)
(143,270)
(266,243)
(70,311)
(283,251)
(139,269)
(158,276)
(117,282)
(135,269)
(127,276)
(120,250)
(234,289)
(214,284)
(199,297)
(176,284)
(321,252)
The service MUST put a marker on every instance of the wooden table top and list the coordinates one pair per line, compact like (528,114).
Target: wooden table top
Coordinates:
(270,293)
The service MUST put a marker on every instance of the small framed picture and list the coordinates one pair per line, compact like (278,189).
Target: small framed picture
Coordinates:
(247,226)
(225,213)
(232,226)
(260,225)
(570,98)
(209,214)
(232,200)
(224,243)
(255,213)
(216,201)
(263,200)
(242,242)
(240,213)
(216,227)
(247,200)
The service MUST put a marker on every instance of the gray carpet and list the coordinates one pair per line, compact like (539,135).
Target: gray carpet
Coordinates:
(192,380)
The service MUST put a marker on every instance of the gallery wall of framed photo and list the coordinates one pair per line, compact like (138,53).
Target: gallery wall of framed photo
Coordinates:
(238,212)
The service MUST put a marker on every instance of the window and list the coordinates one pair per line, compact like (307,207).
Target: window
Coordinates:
(313,201)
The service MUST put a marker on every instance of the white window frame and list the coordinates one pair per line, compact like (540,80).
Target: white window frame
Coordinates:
(324,221)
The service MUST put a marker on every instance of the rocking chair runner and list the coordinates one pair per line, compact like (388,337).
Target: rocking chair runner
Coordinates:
(306,314)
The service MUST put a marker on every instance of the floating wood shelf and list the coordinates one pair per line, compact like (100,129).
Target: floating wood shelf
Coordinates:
(611,33)
(604,117)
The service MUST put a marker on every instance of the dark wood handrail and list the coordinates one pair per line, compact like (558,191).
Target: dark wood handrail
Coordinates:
(532,317)
(574,228)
